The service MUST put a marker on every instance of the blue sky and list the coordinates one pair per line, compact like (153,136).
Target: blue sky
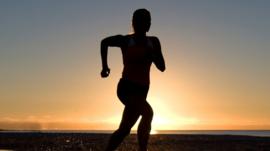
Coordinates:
(216,51)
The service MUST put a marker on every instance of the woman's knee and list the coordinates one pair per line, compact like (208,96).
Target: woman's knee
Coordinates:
(148,112)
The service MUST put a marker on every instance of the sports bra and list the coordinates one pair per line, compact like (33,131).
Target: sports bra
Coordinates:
(137,61)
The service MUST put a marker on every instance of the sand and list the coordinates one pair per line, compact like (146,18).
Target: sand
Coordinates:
(39,141)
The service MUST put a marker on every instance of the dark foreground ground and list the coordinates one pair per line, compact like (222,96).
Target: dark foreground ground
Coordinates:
(96,142)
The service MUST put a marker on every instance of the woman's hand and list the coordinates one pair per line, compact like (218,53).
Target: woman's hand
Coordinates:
(105,72)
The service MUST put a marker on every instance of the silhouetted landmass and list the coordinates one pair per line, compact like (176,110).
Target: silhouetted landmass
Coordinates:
(40,141)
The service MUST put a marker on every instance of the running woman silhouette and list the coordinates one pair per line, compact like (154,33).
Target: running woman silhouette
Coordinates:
(139,51)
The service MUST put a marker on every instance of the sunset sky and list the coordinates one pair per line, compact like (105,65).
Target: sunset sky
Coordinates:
(217,54)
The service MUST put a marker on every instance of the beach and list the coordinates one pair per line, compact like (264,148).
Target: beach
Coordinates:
(40,141)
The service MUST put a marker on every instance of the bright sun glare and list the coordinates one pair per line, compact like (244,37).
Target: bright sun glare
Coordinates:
(162,118)
(165,118)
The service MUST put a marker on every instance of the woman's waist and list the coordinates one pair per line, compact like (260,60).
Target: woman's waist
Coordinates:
(136,79)
(134,83)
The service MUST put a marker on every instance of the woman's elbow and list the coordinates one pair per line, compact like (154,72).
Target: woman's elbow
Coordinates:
(162,68)
(103,42)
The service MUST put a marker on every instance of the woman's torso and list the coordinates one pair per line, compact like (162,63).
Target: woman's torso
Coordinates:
(137,59)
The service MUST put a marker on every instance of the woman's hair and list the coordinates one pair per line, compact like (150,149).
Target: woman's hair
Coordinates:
(141,20)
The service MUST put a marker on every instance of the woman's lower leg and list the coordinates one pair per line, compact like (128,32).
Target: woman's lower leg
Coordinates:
(145,127)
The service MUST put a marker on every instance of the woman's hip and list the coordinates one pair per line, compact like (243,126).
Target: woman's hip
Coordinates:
(130,92)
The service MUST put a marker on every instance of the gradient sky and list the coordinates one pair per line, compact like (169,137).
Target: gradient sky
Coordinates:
(217,54)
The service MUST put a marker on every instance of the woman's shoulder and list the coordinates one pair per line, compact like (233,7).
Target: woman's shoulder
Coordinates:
(126,37)
(154,41)
(153,38)
(119,37)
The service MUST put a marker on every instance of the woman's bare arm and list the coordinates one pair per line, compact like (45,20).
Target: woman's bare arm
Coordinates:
(158,58)
(113,41)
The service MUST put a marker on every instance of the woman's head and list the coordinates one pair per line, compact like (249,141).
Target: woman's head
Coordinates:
(141,21)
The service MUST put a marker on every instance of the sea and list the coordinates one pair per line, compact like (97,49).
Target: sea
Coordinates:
(260,133)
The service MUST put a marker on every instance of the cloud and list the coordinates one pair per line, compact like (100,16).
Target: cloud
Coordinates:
(48,123)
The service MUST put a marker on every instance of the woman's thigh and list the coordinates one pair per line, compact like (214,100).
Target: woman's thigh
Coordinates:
(129,117)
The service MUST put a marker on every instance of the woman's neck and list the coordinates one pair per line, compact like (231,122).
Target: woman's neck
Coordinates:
(140,34)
